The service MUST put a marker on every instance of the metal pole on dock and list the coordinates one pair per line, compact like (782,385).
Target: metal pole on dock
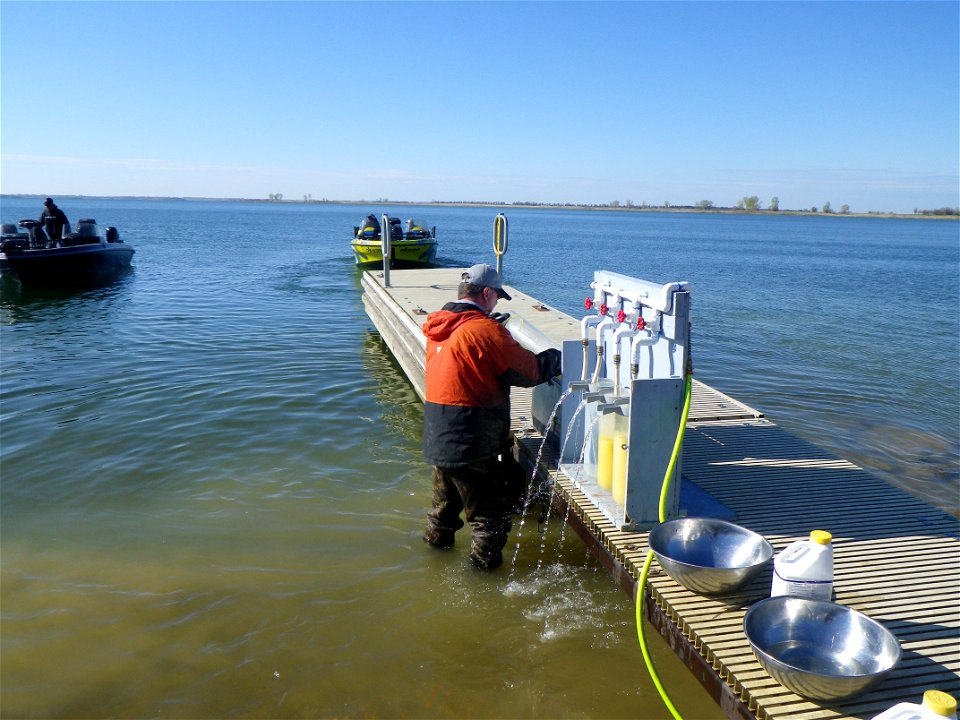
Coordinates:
(385,247)
(500,240)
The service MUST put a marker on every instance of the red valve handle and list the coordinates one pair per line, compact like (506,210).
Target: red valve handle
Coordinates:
(588,303)
(641,323)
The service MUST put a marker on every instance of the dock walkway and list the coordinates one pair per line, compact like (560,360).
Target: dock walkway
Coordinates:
(896,558)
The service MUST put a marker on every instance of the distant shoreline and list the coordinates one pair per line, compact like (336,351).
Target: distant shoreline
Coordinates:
(923,215)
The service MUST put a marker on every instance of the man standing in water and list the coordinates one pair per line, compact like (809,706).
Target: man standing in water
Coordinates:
(472,360)
(53,220)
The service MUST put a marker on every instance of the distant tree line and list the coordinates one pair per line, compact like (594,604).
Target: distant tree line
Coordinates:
(748,203)
(938,211)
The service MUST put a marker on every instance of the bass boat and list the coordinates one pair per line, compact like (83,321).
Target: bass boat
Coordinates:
(78,258)
(414,246)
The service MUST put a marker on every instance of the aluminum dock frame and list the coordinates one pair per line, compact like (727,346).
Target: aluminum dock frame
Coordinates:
(896,558)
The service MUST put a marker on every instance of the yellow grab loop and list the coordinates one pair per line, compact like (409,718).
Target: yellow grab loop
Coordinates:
(500,235)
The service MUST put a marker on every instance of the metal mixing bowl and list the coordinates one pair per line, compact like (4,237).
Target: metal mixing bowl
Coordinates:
(709,556)
(819,649)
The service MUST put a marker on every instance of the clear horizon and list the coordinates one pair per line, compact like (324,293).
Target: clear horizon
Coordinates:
(851,103)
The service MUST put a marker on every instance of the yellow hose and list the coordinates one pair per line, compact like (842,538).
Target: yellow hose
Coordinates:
(646,563)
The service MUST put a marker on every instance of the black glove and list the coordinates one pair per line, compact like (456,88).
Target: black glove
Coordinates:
(500,317)
(549,361)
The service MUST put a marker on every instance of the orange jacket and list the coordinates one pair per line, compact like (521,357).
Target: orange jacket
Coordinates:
(472,360)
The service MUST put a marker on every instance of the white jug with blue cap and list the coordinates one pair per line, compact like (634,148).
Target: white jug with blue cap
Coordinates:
(805,568)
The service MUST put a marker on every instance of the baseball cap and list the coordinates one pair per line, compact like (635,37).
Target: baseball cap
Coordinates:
(485,276)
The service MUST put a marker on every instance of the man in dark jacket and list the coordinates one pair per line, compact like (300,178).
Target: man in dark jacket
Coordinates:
(53,219)
(472,360)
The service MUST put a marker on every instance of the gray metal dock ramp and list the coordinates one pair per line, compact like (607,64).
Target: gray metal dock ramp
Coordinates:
(896,558)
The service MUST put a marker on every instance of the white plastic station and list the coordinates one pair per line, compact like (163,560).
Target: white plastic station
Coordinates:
(617,428)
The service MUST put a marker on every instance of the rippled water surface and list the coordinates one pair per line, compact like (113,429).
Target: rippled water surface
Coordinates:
(212,487)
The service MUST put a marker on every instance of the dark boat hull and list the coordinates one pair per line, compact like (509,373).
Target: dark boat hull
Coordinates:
(67,265)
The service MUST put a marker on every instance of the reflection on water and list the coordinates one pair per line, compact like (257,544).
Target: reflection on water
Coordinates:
(213,489)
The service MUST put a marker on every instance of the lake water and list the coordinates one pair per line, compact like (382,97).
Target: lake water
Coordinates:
(212,486)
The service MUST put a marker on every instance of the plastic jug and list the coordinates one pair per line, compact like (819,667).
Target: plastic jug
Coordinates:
(605,454)
(805,568)
(936,705)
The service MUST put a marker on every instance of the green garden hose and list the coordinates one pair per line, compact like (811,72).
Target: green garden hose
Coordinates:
(646,563)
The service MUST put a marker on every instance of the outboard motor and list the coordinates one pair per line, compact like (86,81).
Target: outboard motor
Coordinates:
(370,228)
(396,229)
(416,231)
(112,235)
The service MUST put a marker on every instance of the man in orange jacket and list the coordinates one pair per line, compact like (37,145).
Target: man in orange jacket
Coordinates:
(472,360)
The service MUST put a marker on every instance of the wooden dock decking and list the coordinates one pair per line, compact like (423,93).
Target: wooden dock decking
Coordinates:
(896,558)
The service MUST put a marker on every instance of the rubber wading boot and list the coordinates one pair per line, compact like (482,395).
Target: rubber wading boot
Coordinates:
(442,539)
(487,563)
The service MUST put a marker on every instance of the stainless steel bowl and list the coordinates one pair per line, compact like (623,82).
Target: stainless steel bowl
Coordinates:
(709,556)
(819,649)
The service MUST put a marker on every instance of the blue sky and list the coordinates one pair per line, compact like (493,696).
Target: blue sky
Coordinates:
(583,102)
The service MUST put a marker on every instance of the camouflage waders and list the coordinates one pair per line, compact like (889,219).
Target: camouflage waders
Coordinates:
(488,492)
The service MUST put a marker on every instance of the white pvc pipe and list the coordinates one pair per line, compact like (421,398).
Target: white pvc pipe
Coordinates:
(644,338)
(658,297)
(601,326)
(585,324)
(626,329)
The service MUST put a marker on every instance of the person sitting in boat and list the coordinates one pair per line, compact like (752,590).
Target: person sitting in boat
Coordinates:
(370,228)
(53,220)
(415,230)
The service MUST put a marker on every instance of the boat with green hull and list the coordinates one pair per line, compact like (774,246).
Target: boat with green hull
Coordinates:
(412,247)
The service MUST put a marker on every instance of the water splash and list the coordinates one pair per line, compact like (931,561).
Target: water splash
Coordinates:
(533,490)
(562,602)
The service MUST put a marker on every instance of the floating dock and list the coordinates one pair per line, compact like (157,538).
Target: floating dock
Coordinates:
(896,558)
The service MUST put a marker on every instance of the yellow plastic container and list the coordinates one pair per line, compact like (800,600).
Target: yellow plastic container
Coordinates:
(605,461)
